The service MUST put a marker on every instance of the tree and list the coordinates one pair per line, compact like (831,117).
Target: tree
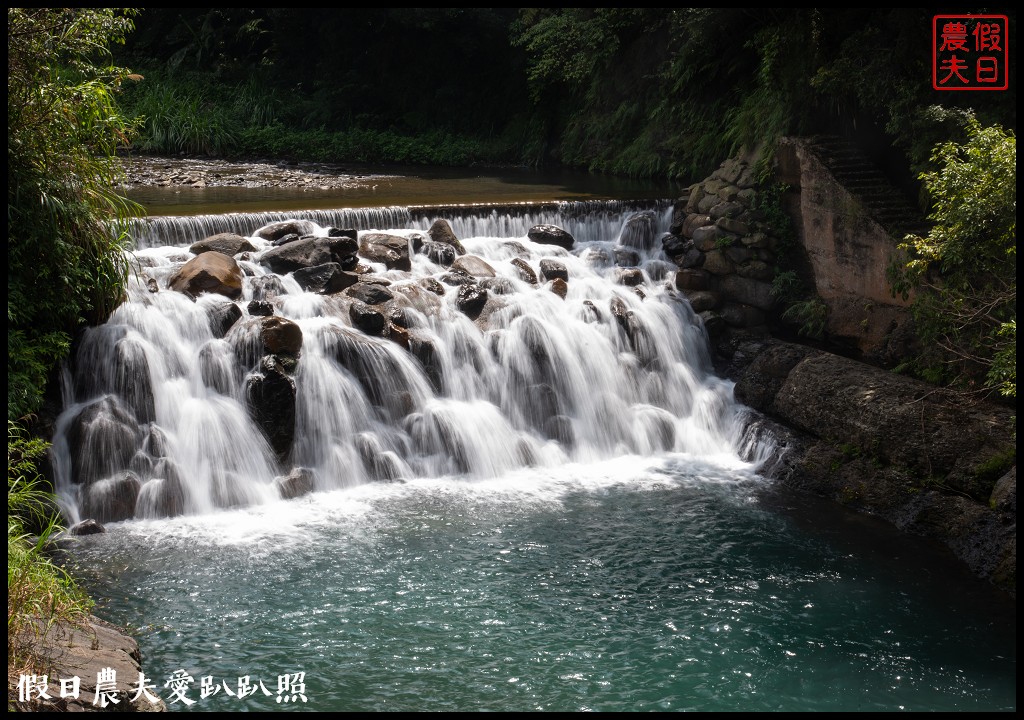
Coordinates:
(65,261)
(964,270)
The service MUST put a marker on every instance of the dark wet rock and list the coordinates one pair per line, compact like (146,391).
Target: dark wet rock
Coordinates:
(439,253)
(276,230)
(551,235)
(350,263)
(441,232)
(560,287)
(112,499)
(551,269)
(741,315)
(266,287)
(516,249)
(630,277)
(927,460)
(367,319)
(280,336)
(471,300)
(285,239)
(417,240)
(103,437)
(325,279)
(350,233)
(597,258)
(422,348)
(260,307)
(165,495)
(390,250)
(270,395)
(639,230)
(498,285)
(211,272)
(701,300)
(626,258)
(593,314)
(226,243)
(379,463)
(299,482)
(141,464)
(400,316)
(132,380)
(673,245)
(525,271)
(155,442)
(692,258)
(222,317)
(457,279)
(87,527)
(433,286)
(370,293)
(309,251)
(560,428)
(473,266)
(397,335)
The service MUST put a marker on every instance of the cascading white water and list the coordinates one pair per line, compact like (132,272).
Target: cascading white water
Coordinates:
(157,417)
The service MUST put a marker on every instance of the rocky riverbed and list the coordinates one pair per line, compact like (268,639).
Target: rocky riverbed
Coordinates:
(147,171)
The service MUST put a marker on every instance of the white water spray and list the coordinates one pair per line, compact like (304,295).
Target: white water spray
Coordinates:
(157,421)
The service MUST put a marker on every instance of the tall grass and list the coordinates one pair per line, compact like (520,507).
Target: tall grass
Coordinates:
(40,593)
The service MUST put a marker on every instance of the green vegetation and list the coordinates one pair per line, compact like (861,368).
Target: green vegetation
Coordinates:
(799,307)
(66,266)
(39,593)
(431,86)
(963,273)
(644,92)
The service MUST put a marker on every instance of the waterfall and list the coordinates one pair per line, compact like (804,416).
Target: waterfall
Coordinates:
(581,218)
(159,416)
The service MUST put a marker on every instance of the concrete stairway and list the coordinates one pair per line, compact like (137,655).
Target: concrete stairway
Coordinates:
(884,202)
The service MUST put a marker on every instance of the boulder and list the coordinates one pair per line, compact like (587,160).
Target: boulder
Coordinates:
(471,300)
(226,243)
(370,293)
(310,251)
(211,272)
(325,279)
(551,269)
(299,482)
(639,230)
(222,317)
(280,336)
(473,266)
(276,230)
(270,396)
(439,253)
(441,232)
(524,270)
(366,318)
(551,235)
(925,459)
(390,250)
(77,650)
(111,499)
